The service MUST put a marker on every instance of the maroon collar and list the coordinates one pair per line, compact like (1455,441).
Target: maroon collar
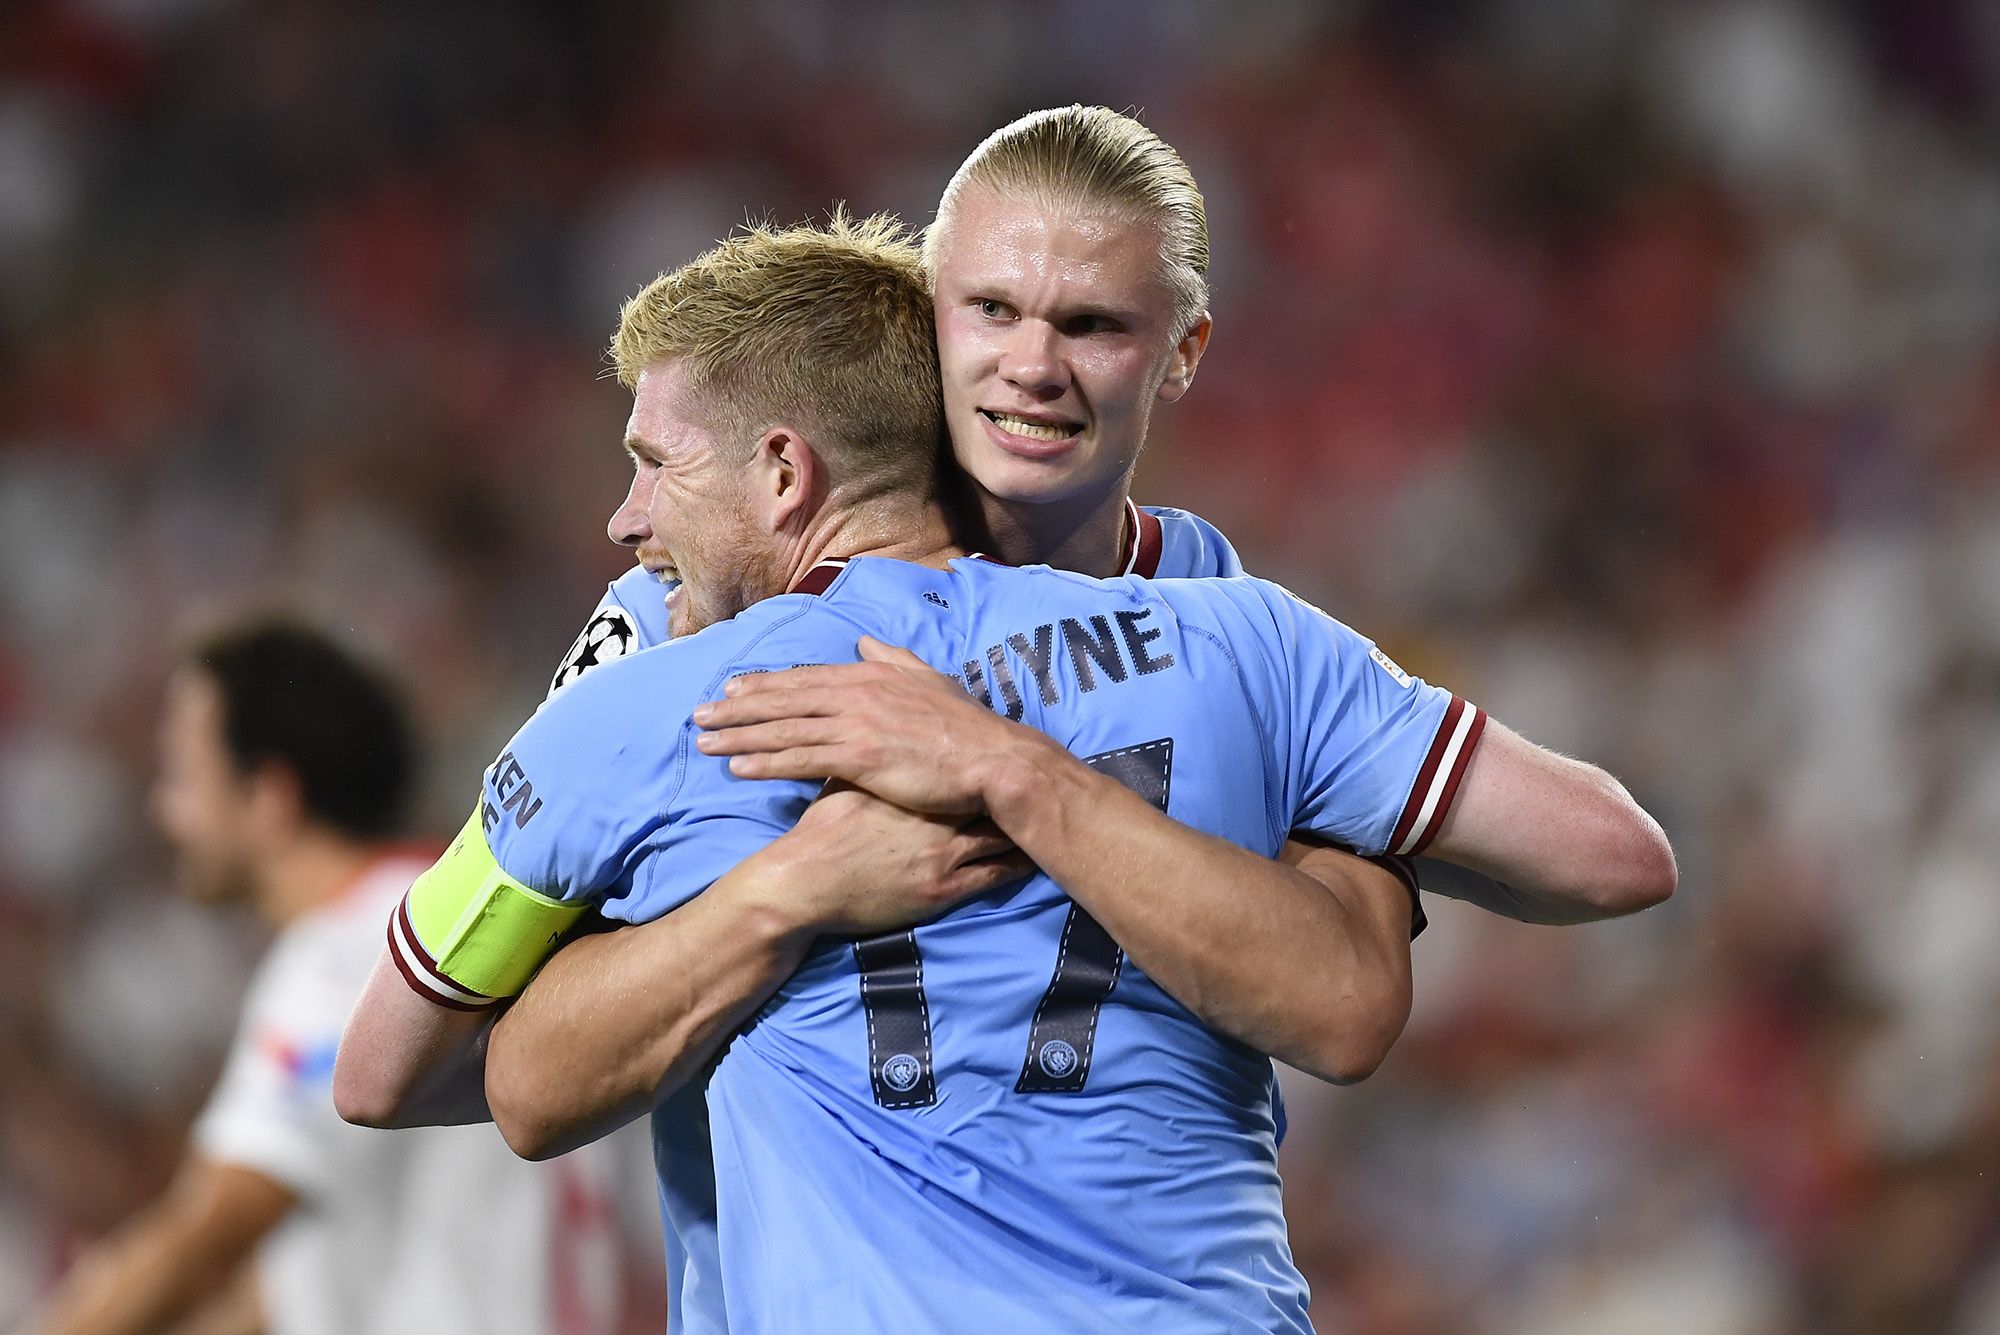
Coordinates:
(1144,539)
(817,580)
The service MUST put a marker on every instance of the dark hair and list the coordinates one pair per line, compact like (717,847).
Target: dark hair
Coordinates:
(291,695)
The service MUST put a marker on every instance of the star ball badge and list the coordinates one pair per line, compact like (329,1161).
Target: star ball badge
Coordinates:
(610,635)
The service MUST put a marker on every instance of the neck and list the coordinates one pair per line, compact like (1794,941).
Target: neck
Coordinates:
(315,868)
(1086,536)
(900,526)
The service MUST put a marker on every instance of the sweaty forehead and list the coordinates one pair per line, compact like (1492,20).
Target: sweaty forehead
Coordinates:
(992,238)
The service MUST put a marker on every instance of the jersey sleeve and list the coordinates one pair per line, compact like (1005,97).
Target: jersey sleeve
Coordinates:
(1375,755)
(1191,547)
(632,615)
(564,821)
(272,1110)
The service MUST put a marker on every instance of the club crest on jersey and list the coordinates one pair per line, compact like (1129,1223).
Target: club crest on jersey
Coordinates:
(1388,665)
(1057,1058)
(901,1072)
(611,634)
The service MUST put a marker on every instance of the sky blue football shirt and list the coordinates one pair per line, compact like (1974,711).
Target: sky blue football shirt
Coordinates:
(995,1119)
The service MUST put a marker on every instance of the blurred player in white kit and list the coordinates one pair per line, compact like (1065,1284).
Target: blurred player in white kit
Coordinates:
(284,766)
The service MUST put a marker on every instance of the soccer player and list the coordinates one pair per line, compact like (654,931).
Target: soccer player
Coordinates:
(1068,258)
(284,765)
(727,357)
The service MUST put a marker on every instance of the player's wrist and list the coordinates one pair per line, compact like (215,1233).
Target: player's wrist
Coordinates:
(1021,776)
(770,892)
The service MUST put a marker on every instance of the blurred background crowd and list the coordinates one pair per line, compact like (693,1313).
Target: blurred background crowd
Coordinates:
(1631,366)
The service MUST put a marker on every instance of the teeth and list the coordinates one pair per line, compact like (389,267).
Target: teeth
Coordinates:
(1021,426)
(667,575)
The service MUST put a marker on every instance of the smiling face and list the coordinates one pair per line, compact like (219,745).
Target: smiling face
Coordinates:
(688,514)
(1057,331)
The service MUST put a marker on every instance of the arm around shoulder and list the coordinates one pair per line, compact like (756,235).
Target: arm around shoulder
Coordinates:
(1563,835)
(405,1061)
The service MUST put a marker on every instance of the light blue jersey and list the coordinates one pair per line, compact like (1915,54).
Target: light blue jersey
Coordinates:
(994,1121)
(632,615)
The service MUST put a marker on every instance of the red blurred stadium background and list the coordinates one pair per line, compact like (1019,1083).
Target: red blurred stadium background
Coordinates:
(1633,368)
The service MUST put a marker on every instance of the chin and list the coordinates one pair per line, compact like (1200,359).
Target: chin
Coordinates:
(214,884)
(1026,482)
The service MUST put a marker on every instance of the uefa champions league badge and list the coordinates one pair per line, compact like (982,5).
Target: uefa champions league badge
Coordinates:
(611,634)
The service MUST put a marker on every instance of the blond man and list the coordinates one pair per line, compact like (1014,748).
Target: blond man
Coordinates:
(1069,261)
(1368,922)
(997,1119)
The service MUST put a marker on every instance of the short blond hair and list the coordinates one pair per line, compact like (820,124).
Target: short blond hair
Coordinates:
(1079,157)
(826,328)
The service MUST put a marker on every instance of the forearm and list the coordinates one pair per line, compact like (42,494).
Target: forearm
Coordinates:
(616,1021)
(1530,905)
(160,1265)
(405,1061)
(1302,969)
(131,1283)
(238,1309)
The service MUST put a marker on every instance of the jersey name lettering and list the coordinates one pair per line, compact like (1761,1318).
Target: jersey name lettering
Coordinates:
(516,794)
(1091,646)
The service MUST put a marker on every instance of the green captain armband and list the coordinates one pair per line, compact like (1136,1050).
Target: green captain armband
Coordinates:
(468,934)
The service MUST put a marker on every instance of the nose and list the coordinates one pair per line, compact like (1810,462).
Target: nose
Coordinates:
(1032,361)
(629,525)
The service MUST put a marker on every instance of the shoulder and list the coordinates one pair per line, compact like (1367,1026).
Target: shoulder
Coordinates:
(899,602)
(1257,617)
(1190,546)
(601,715)
(632,615)
(610,741)
(1232,595)
(306,983)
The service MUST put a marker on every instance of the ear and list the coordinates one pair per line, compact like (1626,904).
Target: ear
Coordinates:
(274,805)
(1187,356)
(787,482)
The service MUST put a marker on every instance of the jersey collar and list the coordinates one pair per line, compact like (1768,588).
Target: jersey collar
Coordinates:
(1144,539)
(817,580)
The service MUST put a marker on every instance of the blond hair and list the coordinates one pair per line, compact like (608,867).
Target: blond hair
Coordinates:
(825,328)
(1091,158)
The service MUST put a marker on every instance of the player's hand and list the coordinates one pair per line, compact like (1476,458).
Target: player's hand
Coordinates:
(862,866)
(888,724)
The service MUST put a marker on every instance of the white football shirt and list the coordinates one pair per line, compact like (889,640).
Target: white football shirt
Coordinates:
(441,1229)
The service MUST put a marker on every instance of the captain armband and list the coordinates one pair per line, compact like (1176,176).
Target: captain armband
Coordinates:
(467,934)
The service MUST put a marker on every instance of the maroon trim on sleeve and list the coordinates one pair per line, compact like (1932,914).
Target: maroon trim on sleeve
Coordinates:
(1473,733)
(1437,782)
(417,966)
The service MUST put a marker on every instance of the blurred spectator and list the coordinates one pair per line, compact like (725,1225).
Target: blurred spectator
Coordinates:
(284,768)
